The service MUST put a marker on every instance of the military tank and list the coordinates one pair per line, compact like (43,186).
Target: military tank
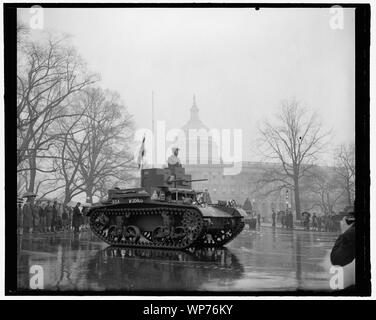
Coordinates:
(165,212)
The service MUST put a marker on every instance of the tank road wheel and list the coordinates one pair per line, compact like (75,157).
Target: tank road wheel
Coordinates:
(192,223)
(114,233)
(179,233)
(132,234)
(160,234)
(99,220)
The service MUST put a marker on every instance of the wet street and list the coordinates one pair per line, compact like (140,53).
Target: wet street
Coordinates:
(257,260)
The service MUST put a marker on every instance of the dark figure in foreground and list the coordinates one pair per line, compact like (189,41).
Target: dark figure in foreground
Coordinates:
(343,251)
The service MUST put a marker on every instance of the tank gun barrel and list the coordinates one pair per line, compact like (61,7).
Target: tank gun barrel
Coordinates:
(185,180)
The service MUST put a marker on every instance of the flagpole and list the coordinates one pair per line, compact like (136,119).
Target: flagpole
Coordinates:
(153,128)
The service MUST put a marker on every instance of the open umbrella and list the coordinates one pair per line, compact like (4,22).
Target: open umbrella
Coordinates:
(28,194)
(71,203)
(44,199)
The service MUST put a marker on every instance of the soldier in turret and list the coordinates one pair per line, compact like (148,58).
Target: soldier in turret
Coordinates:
(173,160)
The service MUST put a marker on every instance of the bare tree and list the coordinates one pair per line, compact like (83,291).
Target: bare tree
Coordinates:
(345,168)
(70,147)
(22,182)
(110,130)
(49,74)
(21,32)
(323,183)
(294,140)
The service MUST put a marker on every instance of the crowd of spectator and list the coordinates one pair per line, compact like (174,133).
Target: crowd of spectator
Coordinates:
(315,222)
(49,216)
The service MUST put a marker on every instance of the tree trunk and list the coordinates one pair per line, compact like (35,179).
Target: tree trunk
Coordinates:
(348,191)
(89,194)
(297,198)
(328,203)
(33,172)
(68,196)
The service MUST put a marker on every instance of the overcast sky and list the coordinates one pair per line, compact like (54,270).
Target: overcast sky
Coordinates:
(240,63)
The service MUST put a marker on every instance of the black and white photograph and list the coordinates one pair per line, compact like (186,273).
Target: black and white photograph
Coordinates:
(188,150)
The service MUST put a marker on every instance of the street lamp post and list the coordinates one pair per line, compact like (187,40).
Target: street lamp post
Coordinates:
(287,200)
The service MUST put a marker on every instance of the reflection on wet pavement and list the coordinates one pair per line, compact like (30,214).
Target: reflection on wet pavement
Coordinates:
(261,260)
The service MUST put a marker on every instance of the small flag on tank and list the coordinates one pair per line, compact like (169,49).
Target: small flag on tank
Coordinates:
(141,154)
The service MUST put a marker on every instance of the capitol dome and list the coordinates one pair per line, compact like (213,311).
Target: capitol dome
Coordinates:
(201,147)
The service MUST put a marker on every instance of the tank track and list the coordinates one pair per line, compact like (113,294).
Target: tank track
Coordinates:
(218,238)
(109,224)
